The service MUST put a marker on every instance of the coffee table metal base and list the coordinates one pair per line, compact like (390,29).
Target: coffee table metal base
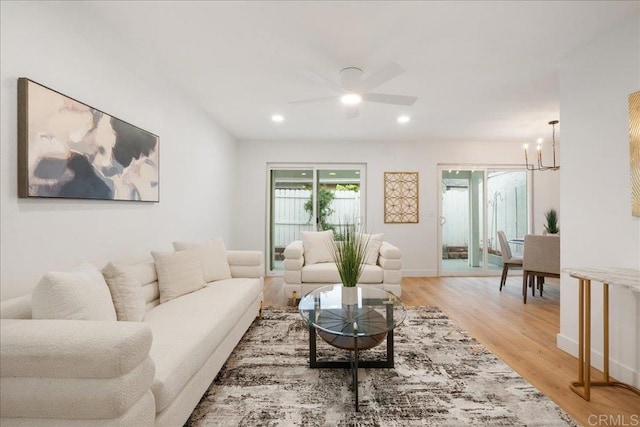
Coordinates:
(353,363)
(354,351)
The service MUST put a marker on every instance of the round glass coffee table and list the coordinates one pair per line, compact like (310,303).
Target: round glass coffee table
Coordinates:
(352,319)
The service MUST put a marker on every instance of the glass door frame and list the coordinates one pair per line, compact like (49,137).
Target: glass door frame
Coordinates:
(485,168)
(314,167)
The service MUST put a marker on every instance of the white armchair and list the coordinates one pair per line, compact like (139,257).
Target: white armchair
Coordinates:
(300,278)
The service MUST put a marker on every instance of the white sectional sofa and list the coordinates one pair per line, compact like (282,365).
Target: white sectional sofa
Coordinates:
(304,271)
(137,373)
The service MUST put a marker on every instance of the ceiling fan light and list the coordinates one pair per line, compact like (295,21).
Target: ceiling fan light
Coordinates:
(404,119)
(351,99)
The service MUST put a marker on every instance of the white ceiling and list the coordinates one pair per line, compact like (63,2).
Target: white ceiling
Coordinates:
(482,70)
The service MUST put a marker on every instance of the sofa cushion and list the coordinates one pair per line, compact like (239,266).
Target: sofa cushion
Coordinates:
(179,273)
(187,330)
(145,272)
(327,272)
(16,308)
(126,292)
(213,256)
(81,294)
(374,241)
(317,246)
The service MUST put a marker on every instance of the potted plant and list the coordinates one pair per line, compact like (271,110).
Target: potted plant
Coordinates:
(551,227)
(349,252)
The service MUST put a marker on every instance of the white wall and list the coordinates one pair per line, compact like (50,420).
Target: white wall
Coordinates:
(597,226)
(419,242)
(547,194)
(56,45)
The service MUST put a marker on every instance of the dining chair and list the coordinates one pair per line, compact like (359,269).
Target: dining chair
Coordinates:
(541,259)
(508,259)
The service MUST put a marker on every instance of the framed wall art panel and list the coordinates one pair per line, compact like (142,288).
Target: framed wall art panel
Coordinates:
(67,149)
(401,197)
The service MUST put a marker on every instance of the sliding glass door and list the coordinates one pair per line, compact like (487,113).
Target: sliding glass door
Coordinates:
(310,198)
(475,204)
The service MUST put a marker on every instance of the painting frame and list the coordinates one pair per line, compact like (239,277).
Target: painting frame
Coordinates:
(401,198)
(68,149)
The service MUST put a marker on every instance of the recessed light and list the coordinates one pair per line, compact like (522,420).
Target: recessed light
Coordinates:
(277,118)
(303,174)
(332,173)
(404,119)
(357,172)
(351,99)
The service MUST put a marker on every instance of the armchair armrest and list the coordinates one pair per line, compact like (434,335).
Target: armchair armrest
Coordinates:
(73,369)
(390,260)
(388,251)
(249,264)
(294,250)
(293,262)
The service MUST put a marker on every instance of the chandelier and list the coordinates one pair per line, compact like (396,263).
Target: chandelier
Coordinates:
(540,166)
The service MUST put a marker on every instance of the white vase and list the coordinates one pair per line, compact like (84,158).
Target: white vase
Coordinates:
(349,295)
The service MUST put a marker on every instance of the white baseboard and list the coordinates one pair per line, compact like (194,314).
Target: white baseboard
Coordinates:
(617,370)
(420,273)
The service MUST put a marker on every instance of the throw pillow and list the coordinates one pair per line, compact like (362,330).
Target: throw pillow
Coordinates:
(213,257)
(126,292)
(179,273)
(317,246)
(373,246)
(81,294)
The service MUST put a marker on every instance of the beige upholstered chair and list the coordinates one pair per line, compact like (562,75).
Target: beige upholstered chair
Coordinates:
(508,259)
(541,259)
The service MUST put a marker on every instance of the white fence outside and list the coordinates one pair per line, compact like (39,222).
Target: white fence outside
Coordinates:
(455,208)
(506,210)
(290,217)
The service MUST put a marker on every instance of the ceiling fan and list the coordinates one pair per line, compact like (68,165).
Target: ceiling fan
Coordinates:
(353,89)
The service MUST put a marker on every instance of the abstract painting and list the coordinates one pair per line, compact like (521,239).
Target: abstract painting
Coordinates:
(634,142)
(67,149)
(401,197)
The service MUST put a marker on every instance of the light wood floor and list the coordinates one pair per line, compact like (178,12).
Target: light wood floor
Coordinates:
(523,336)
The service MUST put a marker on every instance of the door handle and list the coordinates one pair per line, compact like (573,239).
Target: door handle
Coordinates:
(443,220)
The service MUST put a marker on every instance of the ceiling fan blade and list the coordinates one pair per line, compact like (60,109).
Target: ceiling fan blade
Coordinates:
(383,75)
(322,80)
(352,111)
(386,98)
(309,101)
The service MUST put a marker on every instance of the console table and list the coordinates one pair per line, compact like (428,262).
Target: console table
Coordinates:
(623,277)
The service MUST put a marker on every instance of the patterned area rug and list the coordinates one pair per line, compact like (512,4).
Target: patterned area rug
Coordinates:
(442,377)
